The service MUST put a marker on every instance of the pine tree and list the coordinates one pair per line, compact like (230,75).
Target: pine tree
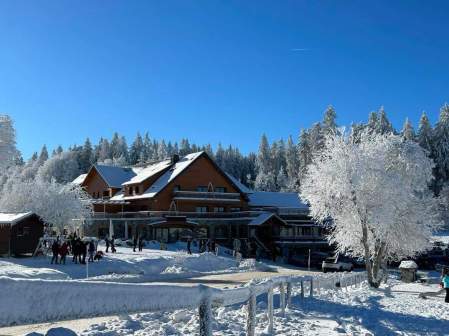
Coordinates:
(424,136)
(408,133)
(329,123)
(304,154)
(291,156)
(8,151)
(441,147)
(162,150)
(372,123)
(43,156)
(383,124)
(282,180)
(86,158)
(135,152)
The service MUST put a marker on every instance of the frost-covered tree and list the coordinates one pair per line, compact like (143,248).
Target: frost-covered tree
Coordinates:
(266,178)
(8,151)
(55,203)
(383,126)
(291,159)
(62,168)
(162,152)
(135,152)
(329,121)
(304,154)
(282,183)
(376,193)
(424,136)
(86,156)
(43,156)
(441,146)
(408,133)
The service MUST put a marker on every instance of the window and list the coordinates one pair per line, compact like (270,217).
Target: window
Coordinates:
(307,231)
(105,193)
(177,188)
(136,190)
(201,188)
(218,209)
(235,209)
(131,190)
(220,189)
(201,209)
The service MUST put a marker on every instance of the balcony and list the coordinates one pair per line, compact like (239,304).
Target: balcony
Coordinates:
(221,197)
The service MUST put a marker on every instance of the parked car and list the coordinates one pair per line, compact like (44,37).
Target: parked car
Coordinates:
(338,263)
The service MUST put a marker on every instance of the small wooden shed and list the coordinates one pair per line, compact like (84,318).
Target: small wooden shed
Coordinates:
(19,233)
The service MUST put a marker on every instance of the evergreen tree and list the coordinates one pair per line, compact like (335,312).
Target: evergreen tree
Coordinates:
(8,151)
(424,136)
(282,180)
(372,124)
(162,150)
(383,124)
(136,150)
(43,156)
(408,133)
(304,154)
(329,123)
(441,147)
(291,156)
(86,158)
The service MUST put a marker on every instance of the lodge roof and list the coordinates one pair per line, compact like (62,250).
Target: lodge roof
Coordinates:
(276,199)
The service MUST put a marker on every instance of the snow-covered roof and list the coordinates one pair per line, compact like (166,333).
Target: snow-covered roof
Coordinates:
(263,217)
(149,171)
(13,218)
(408,264)
(276,199)
(243,188)
(116,176)
(165,179)
(80,179)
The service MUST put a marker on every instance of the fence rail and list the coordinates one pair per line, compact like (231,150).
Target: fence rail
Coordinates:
(81,299)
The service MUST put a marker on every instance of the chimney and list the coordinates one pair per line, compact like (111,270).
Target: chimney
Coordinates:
(175,158)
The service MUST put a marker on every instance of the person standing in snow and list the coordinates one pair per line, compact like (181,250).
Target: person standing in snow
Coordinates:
(63,250)
(55,251)
(106,240)
(113,250)
(91,251)
(140,244)
(445,283)
(189,243)
(134,243)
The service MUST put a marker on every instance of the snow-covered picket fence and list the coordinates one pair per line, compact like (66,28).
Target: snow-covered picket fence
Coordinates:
(35,301)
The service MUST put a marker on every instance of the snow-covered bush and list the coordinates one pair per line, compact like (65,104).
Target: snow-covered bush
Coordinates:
(376,191)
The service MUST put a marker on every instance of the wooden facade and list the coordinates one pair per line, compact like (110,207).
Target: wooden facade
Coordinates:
(21,236)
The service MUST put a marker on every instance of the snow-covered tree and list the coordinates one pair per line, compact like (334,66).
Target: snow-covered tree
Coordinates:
(304,154)
(86,156)
(291,158)
(424,136)
(408,133)
(265,181)
(441,146)
(162,152)
(383,124)
(135,152)
(62,168)
(376,193)
(329,121)
(282,183)
(55,203)
(8,151)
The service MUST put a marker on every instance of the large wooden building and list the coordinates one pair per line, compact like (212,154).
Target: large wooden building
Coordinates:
(166,199)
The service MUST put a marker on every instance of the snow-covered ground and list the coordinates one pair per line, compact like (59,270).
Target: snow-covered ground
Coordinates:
(152,264)
(394,309)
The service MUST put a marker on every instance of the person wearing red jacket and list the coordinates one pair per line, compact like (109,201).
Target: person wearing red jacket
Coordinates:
(63,250)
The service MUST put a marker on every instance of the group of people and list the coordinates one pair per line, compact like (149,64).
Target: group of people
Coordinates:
(110,243)
(204,244)
(138,243)
(74,245)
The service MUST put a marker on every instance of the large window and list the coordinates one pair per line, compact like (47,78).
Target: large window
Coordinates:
(220,189)
(201,209)
(219,209)
(201,188)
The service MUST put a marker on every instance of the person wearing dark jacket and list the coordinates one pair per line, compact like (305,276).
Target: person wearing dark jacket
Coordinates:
(63,250)
(91,251)
(140,244)
(106,240)
(113,250)
(134,243)
(55,251)
(83,251)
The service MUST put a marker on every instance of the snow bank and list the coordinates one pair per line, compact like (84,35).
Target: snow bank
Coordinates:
(13,270)
(408,264)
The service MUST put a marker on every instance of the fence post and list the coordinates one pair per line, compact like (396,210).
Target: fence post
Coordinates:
(318,285)
(251,312)
(205,311)
(311,287)
(282,298)
(302,289)
(289,294)
(270,310)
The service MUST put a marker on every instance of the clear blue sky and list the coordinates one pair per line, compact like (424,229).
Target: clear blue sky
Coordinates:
(215,71)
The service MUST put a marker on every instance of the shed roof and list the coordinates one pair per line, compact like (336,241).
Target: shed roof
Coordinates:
(13,218)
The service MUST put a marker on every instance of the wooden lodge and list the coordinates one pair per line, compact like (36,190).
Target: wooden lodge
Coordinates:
(180,197)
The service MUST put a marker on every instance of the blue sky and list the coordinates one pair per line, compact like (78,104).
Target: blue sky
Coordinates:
(215,71)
